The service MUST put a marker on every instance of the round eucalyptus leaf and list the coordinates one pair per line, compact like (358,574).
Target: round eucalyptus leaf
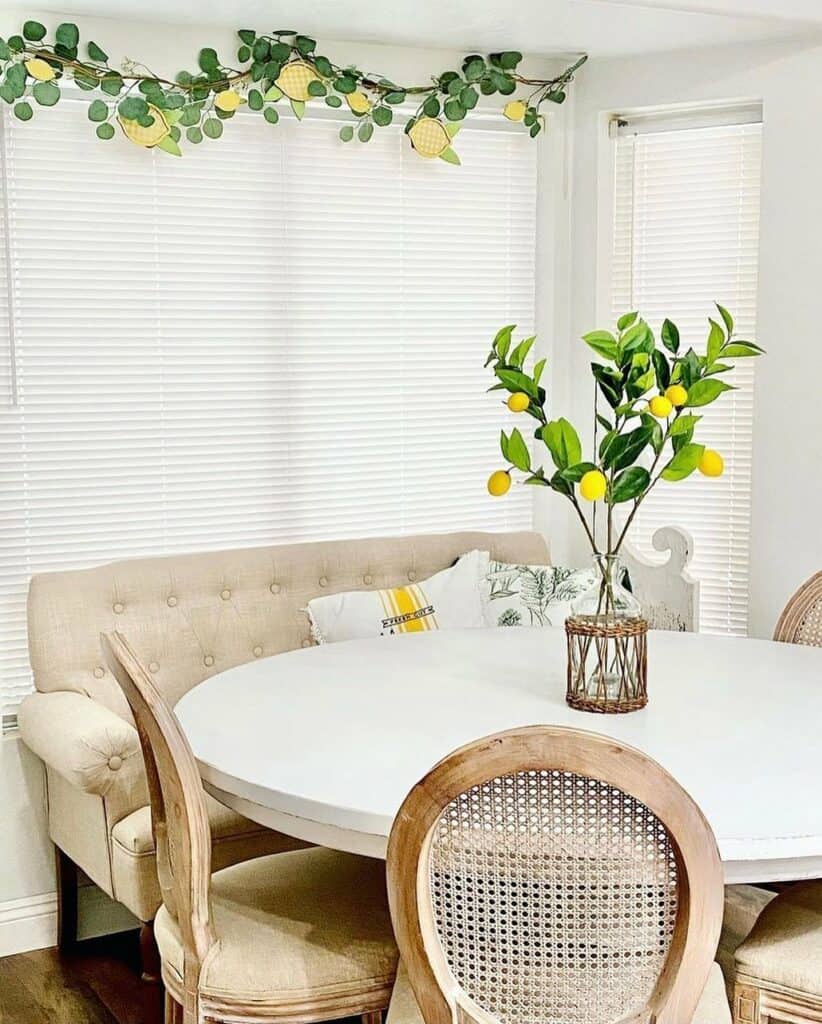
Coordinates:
(247,36)
(213,128)
(510,59)
(345,84)
(207,60)
(454,110)
(333,101)
(132,108)
(397,96)
(194,134)
(16,43)
(46,93)
(5,52)
(469,97)
(365,131)
(174,132)
(431,107)
(280,52)
(34,31)
(97,111)
(7,94)
(105,131)
(96,52)
(112,85)
(271,115)
(347,132)
(316,88)
(261,50)
(23,111)
(383,116)
(305,44)
(244,54)
(67,35)
(255,99)
(323,66)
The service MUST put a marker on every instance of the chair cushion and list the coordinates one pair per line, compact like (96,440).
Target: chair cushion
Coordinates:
(743,905)
(784,948)
(713,1006)
(133,866)
(303,925)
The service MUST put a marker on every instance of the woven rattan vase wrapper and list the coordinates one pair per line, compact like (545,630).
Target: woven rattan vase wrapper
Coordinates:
(554,898)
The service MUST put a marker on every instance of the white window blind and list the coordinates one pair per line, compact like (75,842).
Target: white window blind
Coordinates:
(278,337)
(686,234)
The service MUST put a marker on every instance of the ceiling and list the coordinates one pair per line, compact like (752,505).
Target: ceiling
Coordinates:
(600,27)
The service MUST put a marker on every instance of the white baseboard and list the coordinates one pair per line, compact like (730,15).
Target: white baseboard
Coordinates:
(31,922)
(28,923)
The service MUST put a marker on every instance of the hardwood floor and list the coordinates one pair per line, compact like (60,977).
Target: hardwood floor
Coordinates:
(97,984)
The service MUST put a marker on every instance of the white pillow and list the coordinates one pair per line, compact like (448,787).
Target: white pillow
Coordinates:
(531,595)
(448,600)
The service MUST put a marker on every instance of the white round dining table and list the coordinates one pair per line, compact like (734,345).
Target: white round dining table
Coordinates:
(324,743)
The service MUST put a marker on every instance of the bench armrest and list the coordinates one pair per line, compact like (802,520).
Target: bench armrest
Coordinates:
(86,743)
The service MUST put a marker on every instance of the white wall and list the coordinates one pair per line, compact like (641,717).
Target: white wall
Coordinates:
(27,903)
(787,470)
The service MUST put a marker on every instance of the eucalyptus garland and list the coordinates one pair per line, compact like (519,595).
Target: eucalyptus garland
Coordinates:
(273,69)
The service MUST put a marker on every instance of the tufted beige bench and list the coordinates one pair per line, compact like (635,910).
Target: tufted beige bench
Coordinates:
(187,617)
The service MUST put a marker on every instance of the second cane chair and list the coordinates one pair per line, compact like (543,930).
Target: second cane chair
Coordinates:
(779,964)
(293,937)
(554,876)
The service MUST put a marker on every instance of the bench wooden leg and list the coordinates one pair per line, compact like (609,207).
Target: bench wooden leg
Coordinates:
(153,1010)
(66,901)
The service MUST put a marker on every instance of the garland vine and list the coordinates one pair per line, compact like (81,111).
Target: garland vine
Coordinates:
(274,68)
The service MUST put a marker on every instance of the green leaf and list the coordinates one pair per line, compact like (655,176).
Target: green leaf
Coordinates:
(605,424)
(563,442)
(7,94)
(345,84)
(626,320)
(105,131)
(727,319)
(5,52)
(515,380)
(323,66)
(503,445)
(298,106)
(716,339)
(46,93)
(502,340)
(247,35)
(280,52)
(305,44)
(684,424)
(741,350)
(454,110)
(573,474)
(520,353)
(610,383)
(365,131)
(207,60)
(333,101)
(132,108)
(67,35)
(16,43)
(261,50)
(169,145)
(97,111)
(397,96)
(636,339)
(468,97)
(670,336)
(34,31)
(703,392)
(450,156)
(383,116)
(347,132)
(316,88)
(96,53)
(518,452)
(662,368)
(16,79)
(244,54)
(194,134)
(625,449)
(684,462)
(273,94)
(629,484)
(212,128)
(271,115)
(603,343)
(431,107)
(510,59)
(473,67)
(538,368)
(112,85)
(255,99)
(23,111)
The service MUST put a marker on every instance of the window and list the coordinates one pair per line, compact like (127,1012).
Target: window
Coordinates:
(686,234)
(278,338)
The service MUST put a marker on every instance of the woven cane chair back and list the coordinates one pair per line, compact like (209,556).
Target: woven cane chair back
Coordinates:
(801,621)
(549,876)
(179,818)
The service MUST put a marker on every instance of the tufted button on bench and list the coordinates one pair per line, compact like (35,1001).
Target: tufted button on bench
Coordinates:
(257,651)
(99,672)
(306,642)
(323,581)
(153,666)
(118,608)
(208,660)
(225,594)
(368,579)
(115,762)
(274,588)
(171,601)
(412,576)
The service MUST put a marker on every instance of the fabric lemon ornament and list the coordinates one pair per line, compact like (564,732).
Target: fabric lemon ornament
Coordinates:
(40,69)
(228,101)
(149,136)
(358,103)
(431,138)
(515,110)
(293,82)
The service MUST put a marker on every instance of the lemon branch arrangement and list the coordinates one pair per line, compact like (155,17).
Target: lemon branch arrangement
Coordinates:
(269,70)
(651,393)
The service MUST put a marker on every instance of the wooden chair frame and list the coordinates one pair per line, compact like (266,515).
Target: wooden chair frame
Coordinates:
(795,611)
(700,905)
(183,842)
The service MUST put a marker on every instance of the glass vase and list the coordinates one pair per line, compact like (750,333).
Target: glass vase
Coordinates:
(607,644)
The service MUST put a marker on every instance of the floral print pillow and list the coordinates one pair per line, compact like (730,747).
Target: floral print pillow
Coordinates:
(531,595)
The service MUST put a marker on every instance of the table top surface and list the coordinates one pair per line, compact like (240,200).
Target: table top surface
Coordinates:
(324,743)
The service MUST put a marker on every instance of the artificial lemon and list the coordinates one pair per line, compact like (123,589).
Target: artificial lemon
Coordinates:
(515,110)
(519,402)
(499,483)
(358,102)
(40,69)
(660,406)
(295,79)
(711,463)
(677,395)
(593,485)
(149,136)
(429,137)
(228,101)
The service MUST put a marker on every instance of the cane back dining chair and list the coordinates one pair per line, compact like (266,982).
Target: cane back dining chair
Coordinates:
(779,965)
(554,876)
(300,936)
